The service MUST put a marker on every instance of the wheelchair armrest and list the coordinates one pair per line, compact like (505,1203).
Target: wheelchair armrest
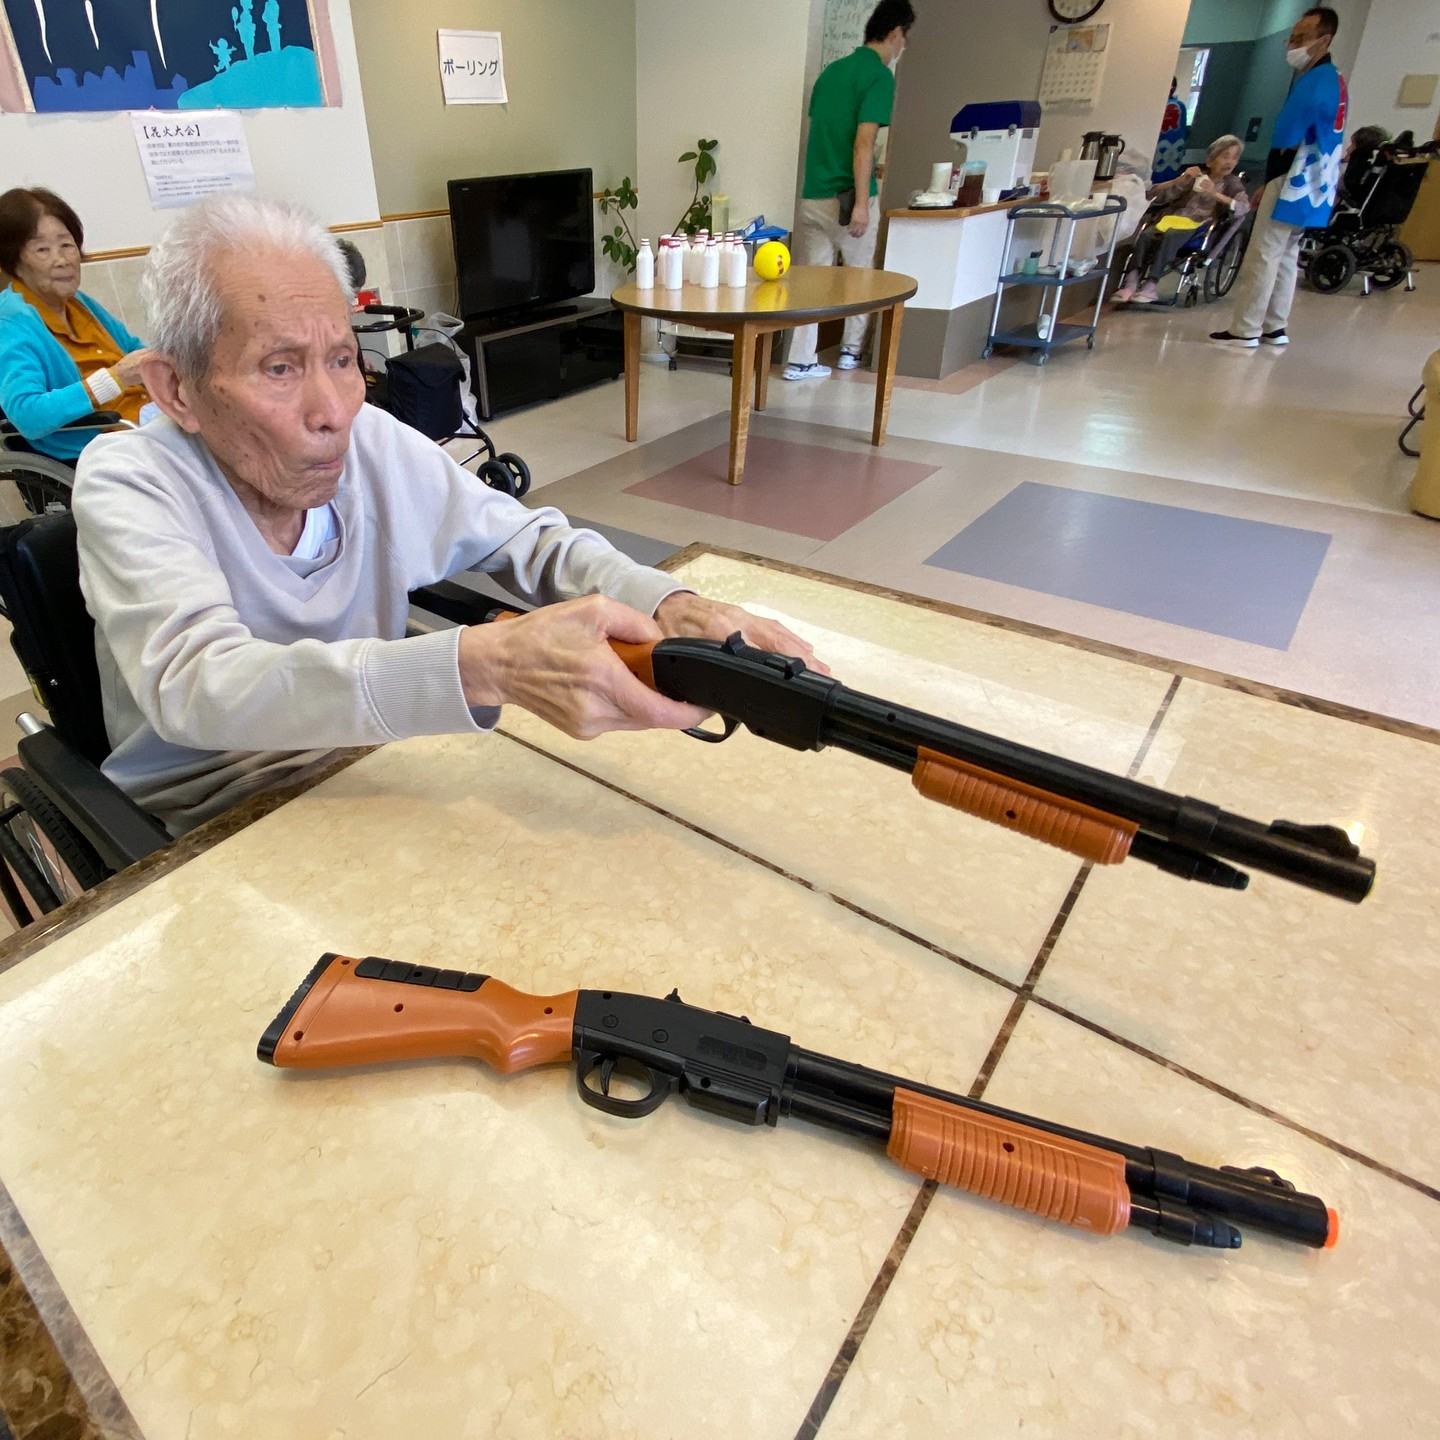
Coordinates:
(453,602)
(95,420)
(105,815)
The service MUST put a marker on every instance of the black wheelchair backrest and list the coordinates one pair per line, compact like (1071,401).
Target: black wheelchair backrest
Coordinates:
(1390,196)
(53,634)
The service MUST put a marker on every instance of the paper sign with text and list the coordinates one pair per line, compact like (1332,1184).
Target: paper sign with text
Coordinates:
(189,156)
(472,68)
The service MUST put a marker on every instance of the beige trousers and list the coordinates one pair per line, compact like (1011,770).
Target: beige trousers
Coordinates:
(819,237)
(1265,288)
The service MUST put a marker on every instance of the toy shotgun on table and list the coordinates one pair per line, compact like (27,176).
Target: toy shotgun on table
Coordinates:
(360,1012)
(1091,813)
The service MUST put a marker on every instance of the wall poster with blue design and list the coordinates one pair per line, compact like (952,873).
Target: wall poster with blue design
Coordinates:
(68,55)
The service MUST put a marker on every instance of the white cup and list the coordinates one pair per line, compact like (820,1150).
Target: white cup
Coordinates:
(940,176)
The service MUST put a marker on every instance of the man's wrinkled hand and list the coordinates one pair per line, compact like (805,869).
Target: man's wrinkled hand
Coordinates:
(693,616)
(556,662)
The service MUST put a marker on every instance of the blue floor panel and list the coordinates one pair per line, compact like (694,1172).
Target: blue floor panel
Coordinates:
(1240,578)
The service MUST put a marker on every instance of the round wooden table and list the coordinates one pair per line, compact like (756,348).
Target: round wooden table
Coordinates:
(804,295)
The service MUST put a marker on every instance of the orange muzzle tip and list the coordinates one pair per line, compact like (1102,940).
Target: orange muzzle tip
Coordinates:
(1332,1234)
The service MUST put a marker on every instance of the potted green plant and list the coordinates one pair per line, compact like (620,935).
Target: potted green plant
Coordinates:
(620,243)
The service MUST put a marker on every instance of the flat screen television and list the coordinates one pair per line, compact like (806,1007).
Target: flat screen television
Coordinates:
(522,240)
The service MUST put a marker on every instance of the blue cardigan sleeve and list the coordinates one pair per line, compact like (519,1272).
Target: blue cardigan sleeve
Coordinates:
(36,393)
(31,400)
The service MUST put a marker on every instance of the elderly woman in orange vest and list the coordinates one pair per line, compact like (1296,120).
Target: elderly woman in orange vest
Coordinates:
(62,354)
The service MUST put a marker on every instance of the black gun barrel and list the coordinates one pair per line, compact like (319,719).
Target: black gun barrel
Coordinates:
(1319,857)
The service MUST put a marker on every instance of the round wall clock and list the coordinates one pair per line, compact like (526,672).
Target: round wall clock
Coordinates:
(1072,12)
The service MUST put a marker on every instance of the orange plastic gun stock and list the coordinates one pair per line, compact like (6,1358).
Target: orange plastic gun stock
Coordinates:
(345,1020)
(1081,829)
(1047,1175)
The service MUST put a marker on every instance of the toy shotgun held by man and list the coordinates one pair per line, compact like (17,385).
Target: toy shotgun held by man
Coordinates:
(1098,816)
(360,1012)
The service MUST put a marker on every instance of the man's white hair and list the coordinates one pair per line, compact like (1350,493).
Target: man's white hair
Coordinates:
(179,285)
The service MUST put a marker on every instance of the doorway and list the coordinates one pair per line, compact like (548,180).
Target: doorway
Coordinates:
(1233,76)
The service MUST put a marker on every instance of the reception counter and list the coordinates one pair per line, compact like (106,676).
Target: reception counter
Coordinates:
(956,257)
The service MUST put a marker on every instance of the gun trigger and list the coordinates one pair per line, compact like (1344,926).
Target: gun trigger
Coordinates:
(699,733)
(662,1086)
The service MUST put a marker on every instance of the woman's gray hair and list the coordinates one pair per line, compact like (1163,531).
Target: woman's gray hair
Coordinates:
(1224,143)
(179,285)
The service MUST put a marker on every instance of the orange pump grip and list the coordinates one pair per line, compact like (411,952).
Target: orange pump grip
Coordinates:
(1014,805)
(1047,1175)
(346,1020)
(637,658)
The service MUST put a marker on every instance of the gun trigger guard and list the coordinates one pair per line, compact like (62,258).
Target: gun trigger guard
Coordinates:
(699,733)
(588,1061)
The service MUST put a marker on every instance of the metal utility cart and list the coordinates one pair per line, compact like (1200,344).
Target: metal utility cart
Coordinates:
(1059,332)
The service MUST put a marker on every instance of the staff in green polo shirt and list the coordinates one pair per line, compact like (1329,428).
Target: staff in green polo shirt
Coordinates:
(851,100)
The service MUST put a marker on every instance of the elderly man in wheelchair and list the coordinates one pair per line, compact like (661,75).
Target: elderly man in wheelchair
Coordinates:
(1191,221)
(248,559)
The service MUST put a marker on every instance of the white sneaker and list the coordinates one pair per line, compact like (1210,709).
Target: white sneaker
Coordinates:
(848,360)
(814,371)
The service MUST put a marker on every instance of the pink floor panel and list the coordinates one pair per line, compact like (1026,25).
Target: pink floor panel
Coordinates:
(810,490)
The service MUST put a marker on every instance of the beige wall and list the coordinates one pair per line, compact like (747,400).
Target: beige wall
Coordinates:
(1402,38)
(741,82)
(569,72)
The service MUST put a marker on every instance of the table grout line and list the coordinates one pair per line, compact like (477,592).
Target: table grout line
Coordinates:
(1042,956)
(971,967)
(900,1247)
(106,1410)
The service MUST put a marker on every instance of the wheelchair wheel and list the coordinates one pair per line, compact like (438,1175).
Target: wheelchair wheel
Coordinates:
(519,469)
(1330,269)
(24,493)
(499,476)
(1220,273)
(1391,265)
(49,837)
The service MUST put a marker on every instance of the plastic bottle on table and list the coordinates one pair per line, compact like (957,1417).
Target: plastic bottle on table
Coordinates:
(645,267)
(737,271)
(710,271)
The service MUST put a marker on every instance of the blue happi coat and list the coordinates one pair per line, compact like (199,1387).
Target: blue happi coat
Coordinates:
(1312,123)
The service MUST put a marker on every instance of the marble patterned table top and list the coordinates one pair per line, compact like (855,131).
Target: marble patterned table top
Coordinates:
(198,1246)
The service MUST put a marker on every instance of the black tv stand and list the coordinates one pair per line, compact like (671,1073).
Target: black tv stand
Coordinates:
(525,356)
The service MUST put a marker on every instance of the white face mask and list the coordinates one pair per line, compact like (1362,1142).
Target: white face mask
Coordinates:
(1298,58)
